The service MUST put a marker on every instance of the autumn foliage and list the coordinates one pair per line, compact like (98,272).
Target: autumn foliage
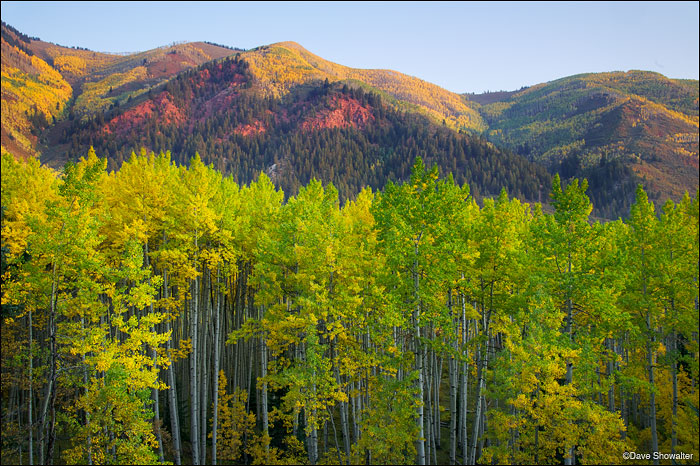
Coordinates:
(165,313)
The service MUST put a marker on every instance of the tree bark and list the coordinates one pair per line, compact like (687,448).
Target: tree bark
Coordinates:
(217,345)
(172,391)
(652,395)
(52,385)
(194,386)
(204,375)
(464,384)
(31,392)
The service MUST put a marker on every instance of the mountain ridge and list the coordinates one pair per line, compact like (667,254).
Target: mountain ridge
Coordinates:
(335,132)
(644,120)
(283,65)
(46,82)
(617,128)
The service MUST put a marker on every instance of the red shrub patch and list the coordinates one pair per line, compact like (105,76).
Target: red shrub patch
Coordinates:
(161,107)
(343,113)
(256,127)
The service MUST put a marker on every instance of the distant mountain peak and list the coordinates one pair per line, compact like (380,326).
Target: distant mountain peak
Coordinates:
(280,67)
(290,44)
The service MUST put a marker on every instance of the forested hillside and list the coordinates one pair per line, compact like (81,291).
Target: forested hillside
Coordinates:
(279,68)
(43,83)
(616,129)
(281,109)
(334,132)
(166,313)
(33,94)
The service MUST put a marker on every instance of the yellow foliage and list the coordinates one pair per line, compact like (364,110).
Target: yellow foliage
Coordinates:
(93,61)
(234,422)
(279,67)
(26,188)
(181,352)
(70,64)
(117,429)
(41,91)
(96,96)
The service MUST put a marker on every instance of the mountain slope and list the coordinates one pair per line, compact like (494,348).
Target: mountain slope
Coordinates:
(283,109)
(39,79)
(33,94)
(278,68)
(103,80)
(641,125)
(332,131)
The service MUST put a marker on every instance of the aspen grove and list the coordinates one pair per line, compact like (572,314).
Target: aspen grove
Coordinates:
(165,314)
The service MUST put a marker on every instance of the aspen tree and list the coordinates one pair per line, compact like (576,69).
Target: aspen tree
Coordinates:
(642,255)
(27,187)
(414,228)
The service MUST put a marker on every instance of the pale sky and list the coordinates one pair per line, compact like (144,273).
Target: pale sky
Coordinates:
(463,47)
